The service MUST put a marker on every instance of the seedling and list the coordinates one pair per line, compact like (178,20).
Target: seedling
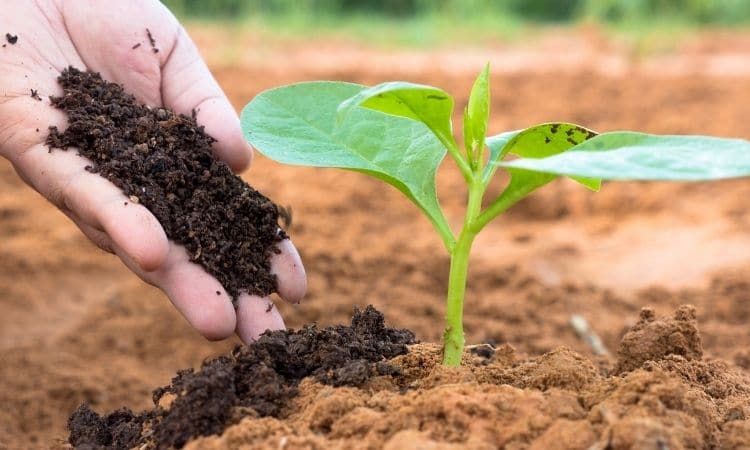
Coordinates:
(400,132)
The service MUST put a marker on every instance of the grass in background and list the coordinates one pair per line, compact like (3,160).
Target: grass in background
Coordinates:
(419,31)
(645,25)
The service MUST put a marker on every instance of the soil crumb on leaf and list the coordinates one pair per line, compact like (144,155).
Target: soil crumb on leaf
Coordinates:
(258,380)
(163,161)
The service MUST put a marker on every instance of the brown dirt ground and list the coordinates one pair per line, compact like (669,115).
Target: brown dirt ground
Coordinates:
(656,397)
(77,326)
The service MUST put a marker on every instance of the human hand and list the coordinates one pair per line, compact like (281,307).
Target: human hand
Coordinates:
(100,36)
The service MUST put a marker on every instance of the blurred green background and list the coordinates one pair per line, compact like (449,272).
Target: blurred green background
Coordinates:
(722,12)
(645,26)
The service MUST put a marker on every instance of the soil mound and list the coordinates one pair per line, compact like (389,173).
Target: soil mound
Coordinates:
(164,161)
(654,339)
(257,381)
(668,398)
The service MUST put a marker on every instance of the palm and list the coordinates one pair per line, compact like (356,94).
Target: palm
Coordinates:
(100,36)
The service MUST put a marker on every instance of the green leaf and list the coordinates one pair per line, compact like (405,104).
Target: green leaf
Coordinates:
(298,124)
(498,146)
(426,104)
(478,110)
(522,183)
(537,142)
(637,156)
(468,132)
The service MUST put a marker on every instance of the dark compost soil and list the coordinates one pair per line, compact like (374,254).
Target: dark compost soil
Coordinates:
(258,380)
(164,161)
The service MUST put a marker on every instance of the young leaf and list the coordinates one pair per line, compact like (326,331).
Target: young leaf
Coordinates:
(637,156)
(537,142)
(468,132)
(298,124)
(427,104)
(477,115)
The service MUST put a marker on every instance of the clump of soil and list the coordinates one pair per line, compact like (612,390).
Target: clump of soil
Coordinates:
(118,429)
(164,161)
(652,340)
(667,398)
(258,381)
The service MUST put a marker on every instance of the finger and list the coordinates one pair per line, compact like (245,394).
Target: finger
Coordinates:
(61,177)
(174,76)
(99,238)
(198,296)
(290,273)
(105,36)
(255,315)
(187,85)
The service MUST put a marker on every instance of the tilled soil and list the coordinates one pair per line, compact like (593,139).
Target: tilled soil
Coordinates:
(660,395)
(77,327)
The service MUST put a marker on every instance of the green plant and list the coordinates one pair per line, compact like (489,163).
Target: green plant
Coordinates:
(400,132)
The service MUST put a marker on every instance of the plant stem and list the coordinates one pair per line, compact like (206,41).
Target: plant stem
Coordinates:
(452,147)
(453,339)
(508,198)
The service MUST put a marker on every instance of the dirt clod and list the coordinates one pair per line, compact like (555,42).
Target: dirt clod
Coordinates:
(653,339)
(261,378)
(119,429)
(163,160)
(12,39)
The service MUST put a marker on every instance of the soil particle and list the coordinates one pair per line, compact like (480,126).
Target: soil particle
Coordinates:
(258,380)
(136,46)
(163,160)
(484,351)
(652,340)
(151,41)
(12,39)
